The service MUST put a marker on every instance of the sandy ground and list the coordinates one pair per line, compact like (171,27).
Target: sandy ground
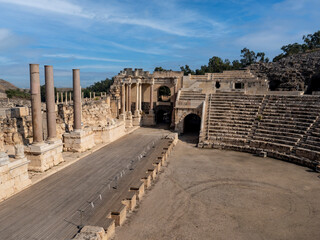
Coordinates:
(215,194)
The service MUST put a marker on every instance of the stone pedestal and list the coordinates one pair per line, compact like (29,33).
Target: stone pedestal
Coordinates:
(4,158)
(149,119)
(128,120)
(78,141)
(136,121)
(14,177)
(44,156)
(110,133)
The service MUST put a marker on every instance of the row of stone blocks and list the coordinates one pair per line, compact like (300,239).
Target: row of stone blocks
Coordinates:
(118,216)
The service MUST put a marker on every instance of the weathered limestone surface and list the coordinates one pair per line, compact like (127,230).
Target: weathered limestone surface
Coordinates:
(79,141)
(44,157)
(13,177)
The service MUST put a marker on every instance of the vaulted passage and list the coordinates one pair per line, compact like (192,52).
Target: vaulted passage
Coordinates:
(192,124)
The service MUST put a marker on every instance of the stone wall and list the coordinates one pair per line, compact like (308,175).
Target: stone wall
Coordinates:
(16,123)
(300,72)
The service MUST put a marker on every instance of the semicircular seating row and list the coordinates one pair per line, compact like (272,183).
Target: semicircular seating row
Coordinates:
(286,127)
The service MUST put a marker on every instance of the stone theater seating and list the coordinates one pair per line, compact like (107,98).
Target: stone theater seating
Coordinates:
(285,127)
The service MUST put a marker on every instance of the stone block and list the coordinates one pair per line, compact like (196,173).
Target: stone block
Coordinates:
(130,201)
(138,188)
(119,215)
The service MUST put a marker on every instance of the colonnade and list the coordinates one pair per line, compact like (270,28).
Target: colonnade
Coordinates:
(50,103)
(126,98)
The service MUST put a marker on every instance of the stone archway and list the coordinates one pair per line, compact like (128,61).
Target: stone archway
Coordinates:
(192,124)
(164,94)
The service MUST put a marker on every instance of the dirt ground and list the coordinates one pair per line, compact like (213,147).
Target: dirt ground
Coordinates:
(215,194)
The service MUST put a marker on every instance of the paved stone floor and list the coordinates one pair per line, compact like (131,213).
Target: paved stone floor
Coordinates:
(216,194)
(49,208)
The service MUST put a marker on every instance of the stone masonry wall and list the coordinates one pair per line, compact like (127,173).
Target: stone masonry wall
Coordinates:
(16,123)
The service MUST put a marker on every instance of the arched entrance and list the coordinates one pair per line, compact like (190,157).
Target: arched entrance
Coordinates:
(164,94)
(192,123)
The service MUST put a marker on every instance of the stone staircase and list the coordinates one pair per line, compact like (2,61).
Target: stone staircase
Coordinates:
(192,95)
(286,127)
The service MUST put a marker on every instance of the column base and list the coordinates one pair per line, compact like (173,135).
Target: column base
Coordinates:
(4,158)
(78,141)
(14,177)
(44,156)
(129,120)
(136,120)
(149,119)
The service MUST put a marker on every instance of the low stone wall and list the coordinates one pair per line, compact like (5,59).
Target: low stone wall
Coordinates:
(118,216)
(13,177)
(109,133)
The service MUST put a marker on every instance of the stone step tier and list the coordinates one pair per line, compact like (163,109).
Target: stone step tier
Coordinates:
(286,127)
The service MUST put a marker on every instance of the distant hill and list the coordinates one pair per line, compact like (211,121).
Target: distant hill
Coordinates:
(5,85)
(297,72)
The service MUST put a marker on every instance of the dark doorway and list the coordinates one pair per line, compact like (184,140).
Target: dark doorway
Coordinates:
(163,117)
(192,124)
(239,85)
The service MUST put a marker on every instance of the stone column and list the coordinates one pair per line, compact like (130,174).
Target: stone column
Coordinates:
(137,99)
(66,95)
(61,97)
(151,97)
(123,96)
(51,114)
(76,100)
(70,98)
(90,95)
(57,98)
(36,104)
(82,95)
(129,98)
(140,97)
(94,95)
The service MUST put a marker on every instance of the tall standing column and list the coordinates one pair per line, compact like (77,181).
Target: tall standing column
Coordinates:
(76,100)
(137,99)
(140,97)
(66,95)
(61,97)
(127,102)
(151,97)
(70,98)
(123,96)
(57,97)
(36,104)
(51,114)
(129,97)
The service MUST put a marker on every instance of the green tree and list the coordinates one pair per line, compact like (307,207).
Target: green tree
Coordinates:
(160,69)
(312,41)
(248,57)
(186,69)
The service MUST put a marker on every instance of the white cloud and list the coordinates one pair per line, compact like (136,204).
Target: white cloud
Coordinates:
(4,34)
(6,61)
(165,19)
(79,57)
(56,6)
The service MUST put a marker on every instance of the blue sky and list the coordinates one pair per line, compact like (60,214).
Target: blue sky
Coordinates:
(102,37)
